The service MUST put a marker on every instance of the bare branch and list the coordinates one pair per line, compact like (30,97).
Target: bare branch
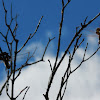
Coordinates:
(25,93)
(6,20)
(47,47)
(9,25)
(50,64)
(60,29)
(27,87)
(14,43)
(5,83)
(14,70)
(67,3)
(75,38)
(92,54)
(31,35)
(2,34)
(18,74)
(29,57)
(82,59)
(56,66)
(27,64)
(85,51)
(7,90)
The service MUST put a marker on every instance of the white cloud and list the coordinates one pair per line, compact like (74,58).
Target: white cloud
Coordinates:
(35,45)
(83,84)
(93,40)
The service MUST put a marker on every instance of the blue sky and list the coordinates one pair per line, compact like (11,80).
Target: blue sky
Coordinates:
(30,11)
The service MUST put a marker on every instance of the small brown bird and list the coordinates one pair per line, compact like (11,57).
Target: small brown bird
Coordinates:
(5,58)
(98,33)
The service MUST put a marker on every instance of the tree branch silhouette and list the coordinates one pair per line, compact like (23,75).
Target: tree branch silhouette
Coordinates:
(56,66)
(12,46)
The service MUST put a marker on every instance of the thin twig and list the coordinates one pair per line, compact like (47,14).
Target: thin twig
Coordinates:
(92,54)
(5,83)
(31,35)
(26,92)
(58,50)
(22,91)
(75,38)
(60,31)
(47,47)
(50,64)
(27,64)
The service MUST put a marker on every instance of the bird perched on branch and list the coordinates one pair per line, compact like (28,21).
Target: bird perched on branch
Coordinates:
(5,58)
(98,33)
